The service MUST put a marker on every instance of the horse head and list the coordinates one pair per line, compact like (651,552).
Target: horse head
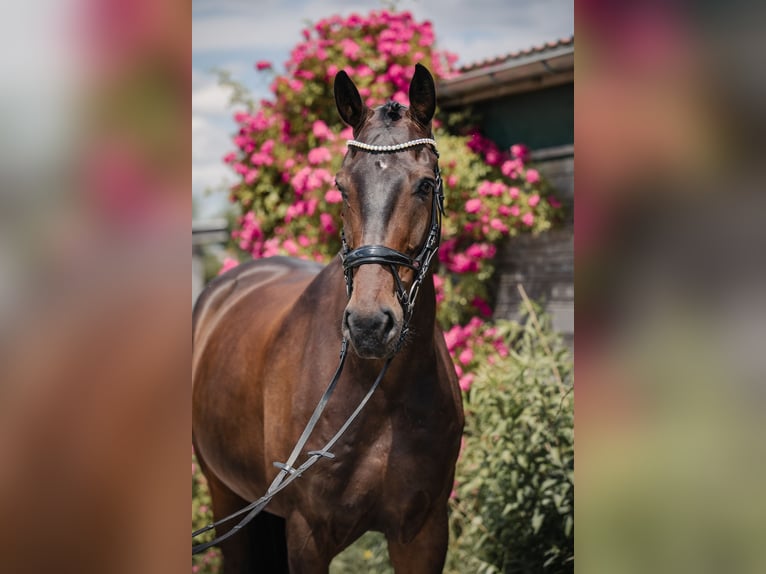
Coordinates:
(392,198)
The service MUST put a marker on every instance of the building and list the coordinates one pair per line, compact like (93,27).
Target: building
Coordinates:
(528,97)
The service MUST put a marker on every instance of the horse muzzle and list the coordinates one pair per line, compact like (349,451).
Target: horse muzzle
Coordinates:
(373,333)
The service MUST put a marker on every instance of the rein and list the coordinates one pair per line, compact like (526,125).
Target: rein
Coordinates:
(367,254)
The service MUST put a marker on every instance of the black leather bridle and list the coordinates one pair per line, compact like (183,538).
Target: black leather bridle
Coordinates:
(391,258)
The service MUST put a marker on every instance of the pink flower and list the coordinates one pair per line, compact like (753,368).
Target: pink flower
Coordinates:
(452,180)
(228,263)
(321,131)
(482,306)
(501,348)
(466,356)
(515,210)
(475,250)
(364,71)
(267,147)
(513,192)
(520,151)
(473,205)
(333,196)
(327,223)
(261,158)
(402,98)
(230,157)
(554,203)
(319,155)
(533,176)
(466,381)
(290,246)
(251,176)
(510,167)
(451,336)
(498,225)
(528,219)
(262,65)
(463,264)
(493,157)
(347,133)
(350,48)
(533,200)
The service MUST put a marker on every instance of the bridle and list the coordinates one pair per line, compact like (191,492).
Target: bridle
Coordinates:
(352,258)
(391,258)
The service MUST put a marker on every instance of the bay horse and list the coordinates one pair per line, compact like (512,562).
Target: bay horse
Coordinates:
(266,337)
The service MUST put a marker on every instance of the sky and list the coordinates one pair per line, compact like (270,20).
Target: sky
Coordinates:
(234,34)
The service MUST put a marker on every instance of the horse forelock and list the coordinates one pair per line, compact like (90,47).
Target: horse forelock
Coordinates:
(391,112)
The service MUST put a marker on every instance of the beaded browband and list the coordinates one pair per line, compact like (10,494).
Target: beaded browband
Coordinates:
(396,147)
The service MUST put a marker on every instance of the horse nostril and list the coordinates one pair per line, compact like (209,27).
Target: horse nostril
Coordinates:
(389,322)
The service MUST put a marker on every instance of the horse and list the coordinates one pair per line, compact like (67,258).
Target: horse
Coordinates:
(266,337)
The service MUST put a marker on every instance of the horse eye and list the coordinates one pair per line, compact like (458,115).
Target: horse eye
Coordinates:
(342,191)
(425,187)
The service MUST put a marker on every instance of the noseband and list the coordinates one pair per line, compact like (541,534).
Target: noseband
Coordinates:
(391,258)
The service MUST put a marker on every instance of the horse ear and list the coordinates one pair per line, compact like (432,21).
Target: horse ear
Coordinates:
(422,96)
(348,101)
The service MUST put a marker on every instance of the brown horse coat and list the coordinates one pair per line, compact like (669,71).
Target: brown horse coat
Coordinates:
(266,340)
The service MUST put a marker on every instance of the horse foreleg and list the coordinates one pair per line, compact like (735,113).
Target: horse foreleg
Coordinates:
(307,550)
(236,552)
(425,553)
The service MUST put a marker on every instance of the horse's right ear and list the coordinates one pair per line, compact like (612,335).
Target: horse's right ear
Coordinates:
(350,106)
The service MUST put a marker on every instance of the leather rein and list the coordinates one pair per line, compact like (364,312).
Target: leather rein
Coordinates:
(365,255)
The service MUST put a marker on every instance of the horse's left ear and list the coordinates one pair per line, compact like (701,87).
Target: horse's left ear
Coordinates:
(422,96)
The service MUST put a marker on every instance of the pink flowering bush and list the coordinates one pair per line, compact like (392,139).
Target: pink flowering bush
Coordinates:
(290,146)
(492,194)
(463,343)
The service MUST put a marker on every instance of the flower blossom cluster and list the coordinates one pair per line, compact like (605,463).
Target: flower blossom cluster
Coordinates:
(289,146)
(472,344)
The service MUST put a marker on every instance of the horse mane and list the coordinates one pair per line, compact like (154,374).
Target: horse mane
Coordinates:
(391,112)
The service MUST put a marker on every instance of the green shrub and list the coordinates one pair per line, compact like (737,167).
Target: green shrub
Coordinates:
(513,506)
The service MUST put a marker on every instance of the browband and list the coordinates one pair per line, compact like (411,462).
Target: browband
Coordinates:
(395,147)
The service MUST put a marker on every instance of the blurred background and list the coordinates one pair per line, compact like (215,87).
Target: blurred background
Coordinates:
(670,287)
